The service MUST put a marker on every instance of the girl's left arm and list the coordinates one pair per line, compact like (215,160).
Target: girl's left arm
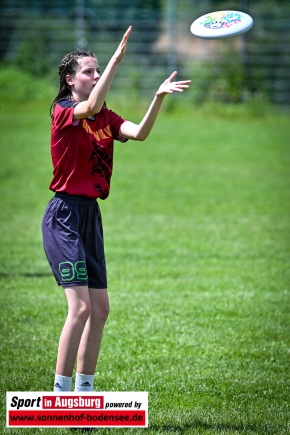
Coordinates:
(141,131)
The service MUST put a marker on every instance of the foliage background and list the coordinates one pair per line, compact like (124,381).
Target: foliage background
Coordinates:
(35,35)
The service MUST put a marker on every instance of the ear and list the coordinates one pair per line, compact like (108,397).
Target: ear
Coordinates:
(69,80)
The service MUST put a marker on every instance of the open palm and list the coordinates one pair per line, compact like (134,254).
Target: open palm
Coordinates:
(169,86)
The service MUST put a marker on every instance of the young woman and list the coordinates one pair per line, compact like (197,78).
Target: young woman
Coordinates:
(83,131)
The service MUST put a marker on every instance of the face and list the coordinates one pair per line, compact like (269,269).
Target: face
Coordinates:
(85,78)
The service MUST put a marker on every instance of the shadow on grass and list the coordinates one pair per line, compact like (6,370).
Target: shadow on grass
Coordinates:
(27,275)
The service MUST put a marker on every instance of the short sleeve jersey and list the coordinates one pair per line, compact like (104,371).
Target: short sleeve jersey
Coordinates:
(82,151)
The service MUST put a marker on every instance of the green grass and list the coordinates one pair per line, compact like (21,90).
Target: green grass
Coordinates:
(197,241)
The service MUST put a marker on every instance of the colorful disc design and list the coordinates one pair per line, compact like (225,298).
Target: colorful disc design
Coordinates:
(221,24)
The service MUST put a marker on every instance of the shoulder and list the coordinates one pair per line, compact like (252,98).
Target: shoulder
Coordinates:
(64,103)
(63,114)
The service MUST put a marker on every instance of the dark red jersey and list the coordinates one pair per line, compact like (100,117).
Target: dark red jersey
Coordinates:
(82,151)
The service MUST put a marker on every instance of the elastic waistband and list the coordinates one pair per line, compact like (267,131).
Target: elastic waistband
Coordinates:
(78,198)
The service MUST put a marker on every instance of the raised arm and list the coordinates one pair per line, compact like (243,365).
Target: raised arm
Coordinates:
(98,95)
(141,131)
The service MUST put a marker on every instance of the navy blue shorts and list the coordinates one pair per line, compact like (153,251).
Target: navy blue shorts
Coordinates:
(73,241)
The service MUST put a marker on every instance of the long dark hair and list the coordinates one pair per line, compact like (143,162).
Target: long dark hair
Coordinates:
(67,66)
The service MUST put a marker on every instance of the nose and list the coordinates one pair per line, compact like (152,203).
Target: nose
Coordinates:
(97,75)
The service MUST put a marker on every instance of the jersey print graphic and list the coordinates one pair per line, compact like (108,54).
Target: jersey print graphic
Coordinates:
(101,164)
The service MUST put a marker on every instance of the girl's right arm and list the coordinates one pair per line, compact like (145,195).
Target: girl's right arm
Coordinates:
(98,95)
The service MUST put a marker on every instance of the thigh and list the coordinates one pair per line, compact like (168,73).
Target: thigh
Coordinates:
(78,299)
(95,251)
(62,243)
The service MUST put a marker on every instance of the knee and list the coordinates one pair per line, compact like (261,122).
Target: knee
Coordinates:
(82,312)
(101,312)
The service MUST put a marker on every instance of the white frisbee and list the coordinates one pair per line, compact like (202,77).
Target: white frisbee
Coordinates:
(221,24)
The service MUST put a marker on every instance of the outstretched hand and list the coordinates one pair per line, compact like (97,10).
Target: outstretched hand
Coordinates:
(120,52)
(169,86)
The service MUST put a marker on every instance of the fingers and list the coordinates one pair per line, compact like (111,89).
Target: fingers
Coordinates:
(179,86)
(129,30)
(124,41)
(173,75)
(183,82)
(126,34)
(120,52)
(169,86)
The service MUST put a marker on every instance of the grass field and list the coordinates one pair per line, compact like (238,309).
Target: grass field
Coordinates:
(197,233)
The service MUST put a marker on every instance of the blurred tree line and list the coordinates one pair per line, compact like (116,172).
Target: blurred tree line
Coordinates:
(35,34)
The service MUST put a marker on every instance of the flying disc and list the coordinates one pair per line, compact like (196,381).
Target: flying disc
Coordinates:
(221,24)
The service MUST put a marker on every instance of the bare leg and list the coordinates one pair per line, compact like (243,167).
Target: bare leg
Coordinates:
(90,343)
(79,308)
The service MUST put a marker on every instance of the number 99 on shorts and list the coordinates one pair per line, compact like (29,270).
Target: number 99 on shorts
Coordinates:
(70,271)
